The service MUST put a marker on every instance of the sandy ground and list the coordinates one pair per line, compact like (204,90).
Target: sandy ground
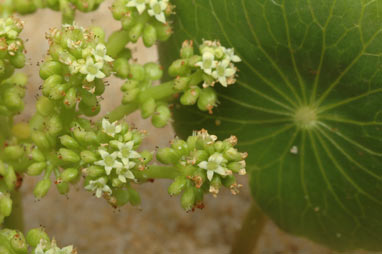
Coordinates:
(159,225)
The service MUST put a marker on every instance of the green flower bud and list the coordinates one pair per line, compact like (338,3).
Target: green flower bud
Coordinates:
(135,32)
(180,147)
(68,155)
(177,186)
(128,21)
(129,85)
(215,184)
(94,171)
(34,237)
(18,60)
(41,140)
(137,72)
(192,61)
(147,156)
(69,142)
(50,83)
(236,166)
(70,175)
(153,71)
(229,181)
(58,92)
(36,168)
(188,199)
(87,98)
(181,83)
(42,188)
(161,116)
(199,195)
(200,155)
(130,95)
(87,137)
(187,49)
(24,6)
(88,156)
(164,31)
(44,106)
(89,110)
(5,205)
(10,177)
(125,53)
(118,9)
(121,68)
(207,99)
(190,96)
(116,183)
(99,87)
(134,197)
(70,99)
(98,33)
(50,68)
(37,155)
(21,130)
(148,108)
(13,100)
(179,68)
(122,196)
(232,154)
(62,187)
(149,35)
(167,155)
(13,152)
(19,244)
(54,125)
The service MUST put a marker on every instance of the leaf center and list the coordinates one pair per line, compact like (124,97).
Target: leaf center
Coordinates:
(306,117)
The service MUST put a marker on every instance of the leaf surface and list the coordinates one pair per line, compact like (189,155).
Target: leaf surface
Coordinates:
(307,107)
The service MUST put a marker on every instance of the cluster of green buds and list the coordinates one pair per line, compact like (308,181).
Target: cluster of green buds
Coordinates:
(195,75)
(203,165)
(146,18)
(12,86)
(74,69)
(36,240)
(140,89)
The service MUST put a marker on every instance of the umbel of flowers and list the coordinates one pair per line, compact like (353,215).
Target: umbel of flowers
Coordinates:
(146,18)
(75,66)
(36,240)
(203,164)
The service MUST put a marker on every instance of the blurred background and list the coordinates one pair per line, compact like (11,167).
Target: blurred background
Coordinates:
(159,225)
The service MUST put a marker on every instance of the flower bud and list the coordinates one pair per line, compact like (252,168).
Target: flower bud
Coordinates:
(181,83)
(153,71)
(50,68)
(70,98)
(34,237)
(147,156)
(167,155)
(13,152)
(37,155)
(232,154)
(188,199)
(21,130)
(54,125)
(122,196)
(18,60)
(187,49)
(5,205)
(130,95)
(99,87)
(10,177)
(36,168)
(148,108)
(50,83)
(149,35)
(129,85)
(134,197)
(62,187)
(121,68)
(116,183)
(69,142)
(68,155)
(58,92)
(137,72)
(135,32)
(88,156)
(163,31)
(87,98)
(215,184)
(40,139)
(180,147)
(70,175)
(18,243)
(12,99)
(237,166)
(190,96)
(42,188)
(177,186)
(94,171)
(161,116)
(127,21)
(44,106)
(179,68)
(89,110)
(207,99)
(229,181)
(200,155)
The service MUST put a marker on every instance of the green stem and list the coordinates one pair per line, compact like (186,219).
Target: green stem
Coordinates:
(117,42)
(158,92)
(16,219)
(250,232)
(121,111)
(156,172)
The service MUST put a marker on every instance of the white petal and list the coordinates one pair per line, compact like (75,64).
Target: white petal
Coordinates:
(100,74)
(221,171)
(229,72)
(130,175)
(134,155)
(203,164)
(118,129)
(223,81)
(160,17)
(151,12)
(98,193)
(103,153)
(122,178)
(90,77)
(210,174)
(108,170)
(141,8)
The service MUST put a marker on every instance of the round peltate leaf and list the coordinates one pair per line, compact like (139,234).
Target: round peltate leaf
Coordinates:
(307,107)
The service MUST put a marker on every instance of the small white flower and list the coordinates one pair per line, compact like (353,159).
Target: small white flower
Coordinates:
(157,8)
(73,44)
(42,248)
(92,70)
(75,66)
(139,4)
(230,55)
(223,71)
(125,172)
(109,161)
(203,133)
(126,152)
(214,165)
(98,186)
(111,128)
(208,62)
(99,53)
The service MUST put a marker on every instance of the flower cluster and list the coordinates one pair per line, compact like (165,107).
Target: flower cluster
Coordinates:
(218,62)
(74,69)
(146,18)
(203,165)
(12,241)
(195,75)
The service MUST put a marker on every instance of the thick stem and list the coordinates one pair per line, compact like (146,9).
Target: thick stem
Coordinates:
(121,111)
(156,172)
(251,229)
(158,92)
(16,219)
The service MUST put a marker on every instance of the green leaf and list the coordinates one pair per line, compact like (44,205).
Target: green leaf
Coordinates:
(307,107)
